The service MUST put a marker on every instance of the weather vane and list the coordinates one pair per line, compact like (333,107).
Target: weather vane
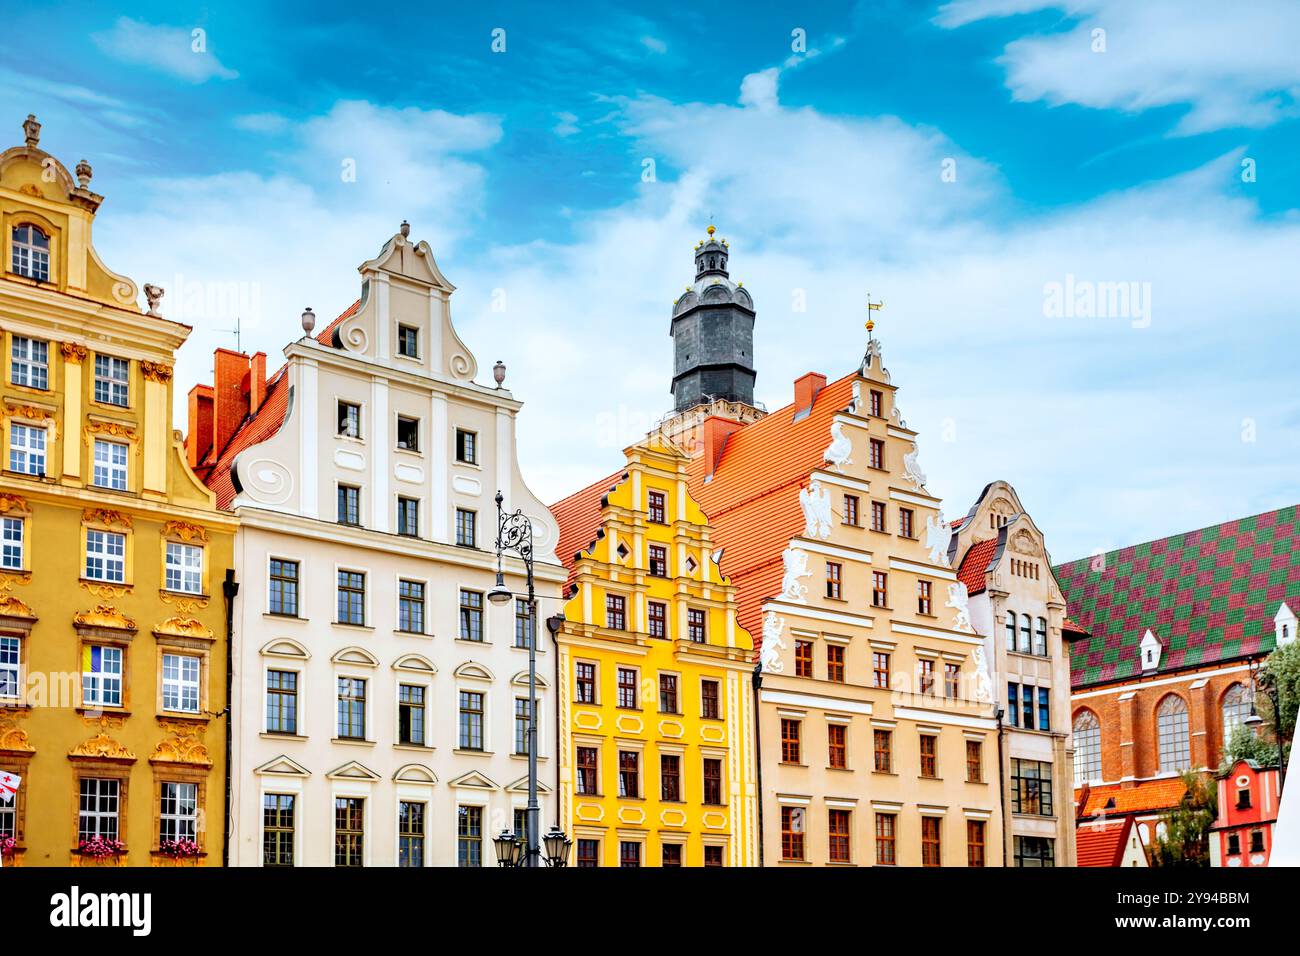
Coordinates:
(872,307)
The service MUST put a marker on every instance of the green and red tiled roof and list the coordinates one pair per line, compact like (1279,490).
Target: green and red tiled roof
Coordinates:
(1208,595)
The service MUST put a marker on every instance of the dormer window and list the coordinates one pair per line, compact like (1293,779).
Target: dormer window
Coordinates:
(31,256)
(408,341)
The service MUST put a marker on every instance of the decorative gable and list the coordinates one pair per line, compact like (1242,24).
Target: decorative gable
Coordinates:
(358,656)
(1150,651)
(284,647)
(283,766)
(473,781)
(521,786)
(416,663)
(352,770)
(1284,623)
(474,671)
(416,773)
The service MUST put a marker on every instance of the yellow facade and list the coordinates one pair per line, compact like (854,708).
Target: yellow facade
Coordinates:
(113,650)
(657,761)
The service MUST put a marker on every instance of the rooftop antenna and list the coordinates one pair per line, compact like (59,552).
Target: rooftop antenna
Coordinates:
(239,341)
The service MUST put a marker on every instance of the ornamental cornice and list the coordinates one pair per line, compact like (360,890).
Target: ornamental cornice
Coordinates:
(107,517)
(185,531)
(101,746)
(13,738)
(73,352)
(156,371)
(104,615)
(183,744)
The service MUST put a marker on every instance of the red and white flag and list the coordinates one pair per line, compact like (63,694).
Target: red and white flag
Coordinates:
(8,785)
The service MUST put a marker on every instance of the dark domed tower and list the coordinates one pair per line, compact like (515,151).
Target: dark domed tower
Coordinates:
(713,335)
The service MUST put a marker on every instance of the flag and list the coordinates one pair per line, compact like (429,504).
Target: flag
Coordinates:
(8,786)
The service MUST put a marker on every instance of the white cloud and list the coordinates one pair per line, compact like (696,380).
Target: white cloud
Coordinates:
(261,122)
(567,125)
(654,44)
(1231,65)
(759,89)
(181,52)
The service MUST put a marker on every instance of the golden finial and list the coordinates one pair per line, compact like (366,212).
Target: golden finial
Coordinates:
(710,230)
(872,307)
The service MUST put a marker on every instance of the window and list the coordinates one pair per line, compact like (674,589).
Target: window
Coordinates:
(10,662)
(851,516)
(712,781)
(1243,798)
(352,708)
(929,755)
(111,378)
(471,720)
(629,773)
(879,589)
(712,855)
(974,761)
(466,447)
(670,778)
(792,826)
(627,688)
(974,842)
(834,573)
(837,746)
(408,433)
(588,854)
(281,702)
(657,614)
(877,456)
(878,522)
(410,607)
(282,592)
(97,809)
(790,733)
(1035,851)
(931,851)
(709,699)
(1031,787)
(923,597)
(349,507)
(410,833)
(629,854)
(178,811)
(875,402)
(410,714)
(349,831)
(408,341)
(1256,841)
(584,680)
(466,530)
(803,659)
(101,676)
(1236,708)
(615,612)
(1024,645)
(184,571)
(835,663)
(927,677)
(656,507)
(886,826)
(1026,706)
(469,836)
(1013,704)
(29,363)
(837,831)
(180,683)
(525,625)
(658,561)
(349,420)
(1011,630)
(1171,734)
(695,630)
(906,522)
(1087,748)
(31,253)
(883,747)
(1234,844)
(352,597)
(672,855)
(951,680)
(11,543)
(277,829)
(1040,637)
(588,775)
(26,449)
(471,616)
(522,711)
(1044,709)
(668,694)
(880,668)
(109,465)
(408,516)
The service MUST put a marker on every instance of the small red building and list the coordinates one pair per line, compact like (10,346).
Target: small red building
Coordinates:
(1248,798)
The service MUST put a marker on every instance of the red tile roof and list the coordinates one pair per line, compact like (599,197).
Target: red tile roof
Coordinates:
(1147,797)
(1074,627)
(1102,844)
(326,336)
(256,429)
(975,563)
(579,518)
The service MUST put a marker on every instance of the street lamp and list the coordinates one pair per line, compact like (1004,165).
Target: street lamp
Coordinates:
(509,848)
(1255,722)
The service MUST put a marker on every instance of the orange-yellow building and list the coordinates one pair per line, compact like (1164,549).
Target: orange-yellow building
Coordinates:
(657,765)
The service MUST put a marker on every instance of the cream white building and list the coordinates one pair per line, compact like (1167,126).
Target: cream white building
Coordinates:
(380,699)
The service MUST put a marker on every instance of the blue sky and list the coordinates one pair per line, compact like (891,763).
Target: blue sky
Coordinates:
(1080,158)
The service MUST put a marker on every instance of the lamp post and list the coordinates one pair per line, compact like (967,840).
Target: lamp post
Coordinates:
(515,534)
(1255,722)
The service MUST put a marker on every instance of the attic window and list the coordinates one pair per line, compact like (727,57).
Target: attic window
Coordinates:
(31,255)
(622,550)
(408,341)
(408,433)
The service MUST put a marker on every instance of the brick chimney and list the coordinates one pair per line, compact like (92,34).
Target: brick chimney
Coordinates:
(806,387)
(256,382)
(198,437)
(716,432)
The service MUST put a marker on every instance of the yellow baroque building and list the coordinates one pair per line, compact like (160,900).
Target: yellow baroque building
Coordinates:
(657,763)
(113,639)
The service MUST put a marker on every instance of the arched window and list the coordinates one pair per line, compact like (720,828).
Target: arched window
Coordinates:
(1011,630)
(1236,708)
(1087,748)
(1025,627)
(31,256)
(1040,637)
(1172,735)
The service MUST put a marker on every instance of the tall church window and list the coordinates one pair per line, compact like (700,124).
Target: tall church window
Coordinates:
(1172,736)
